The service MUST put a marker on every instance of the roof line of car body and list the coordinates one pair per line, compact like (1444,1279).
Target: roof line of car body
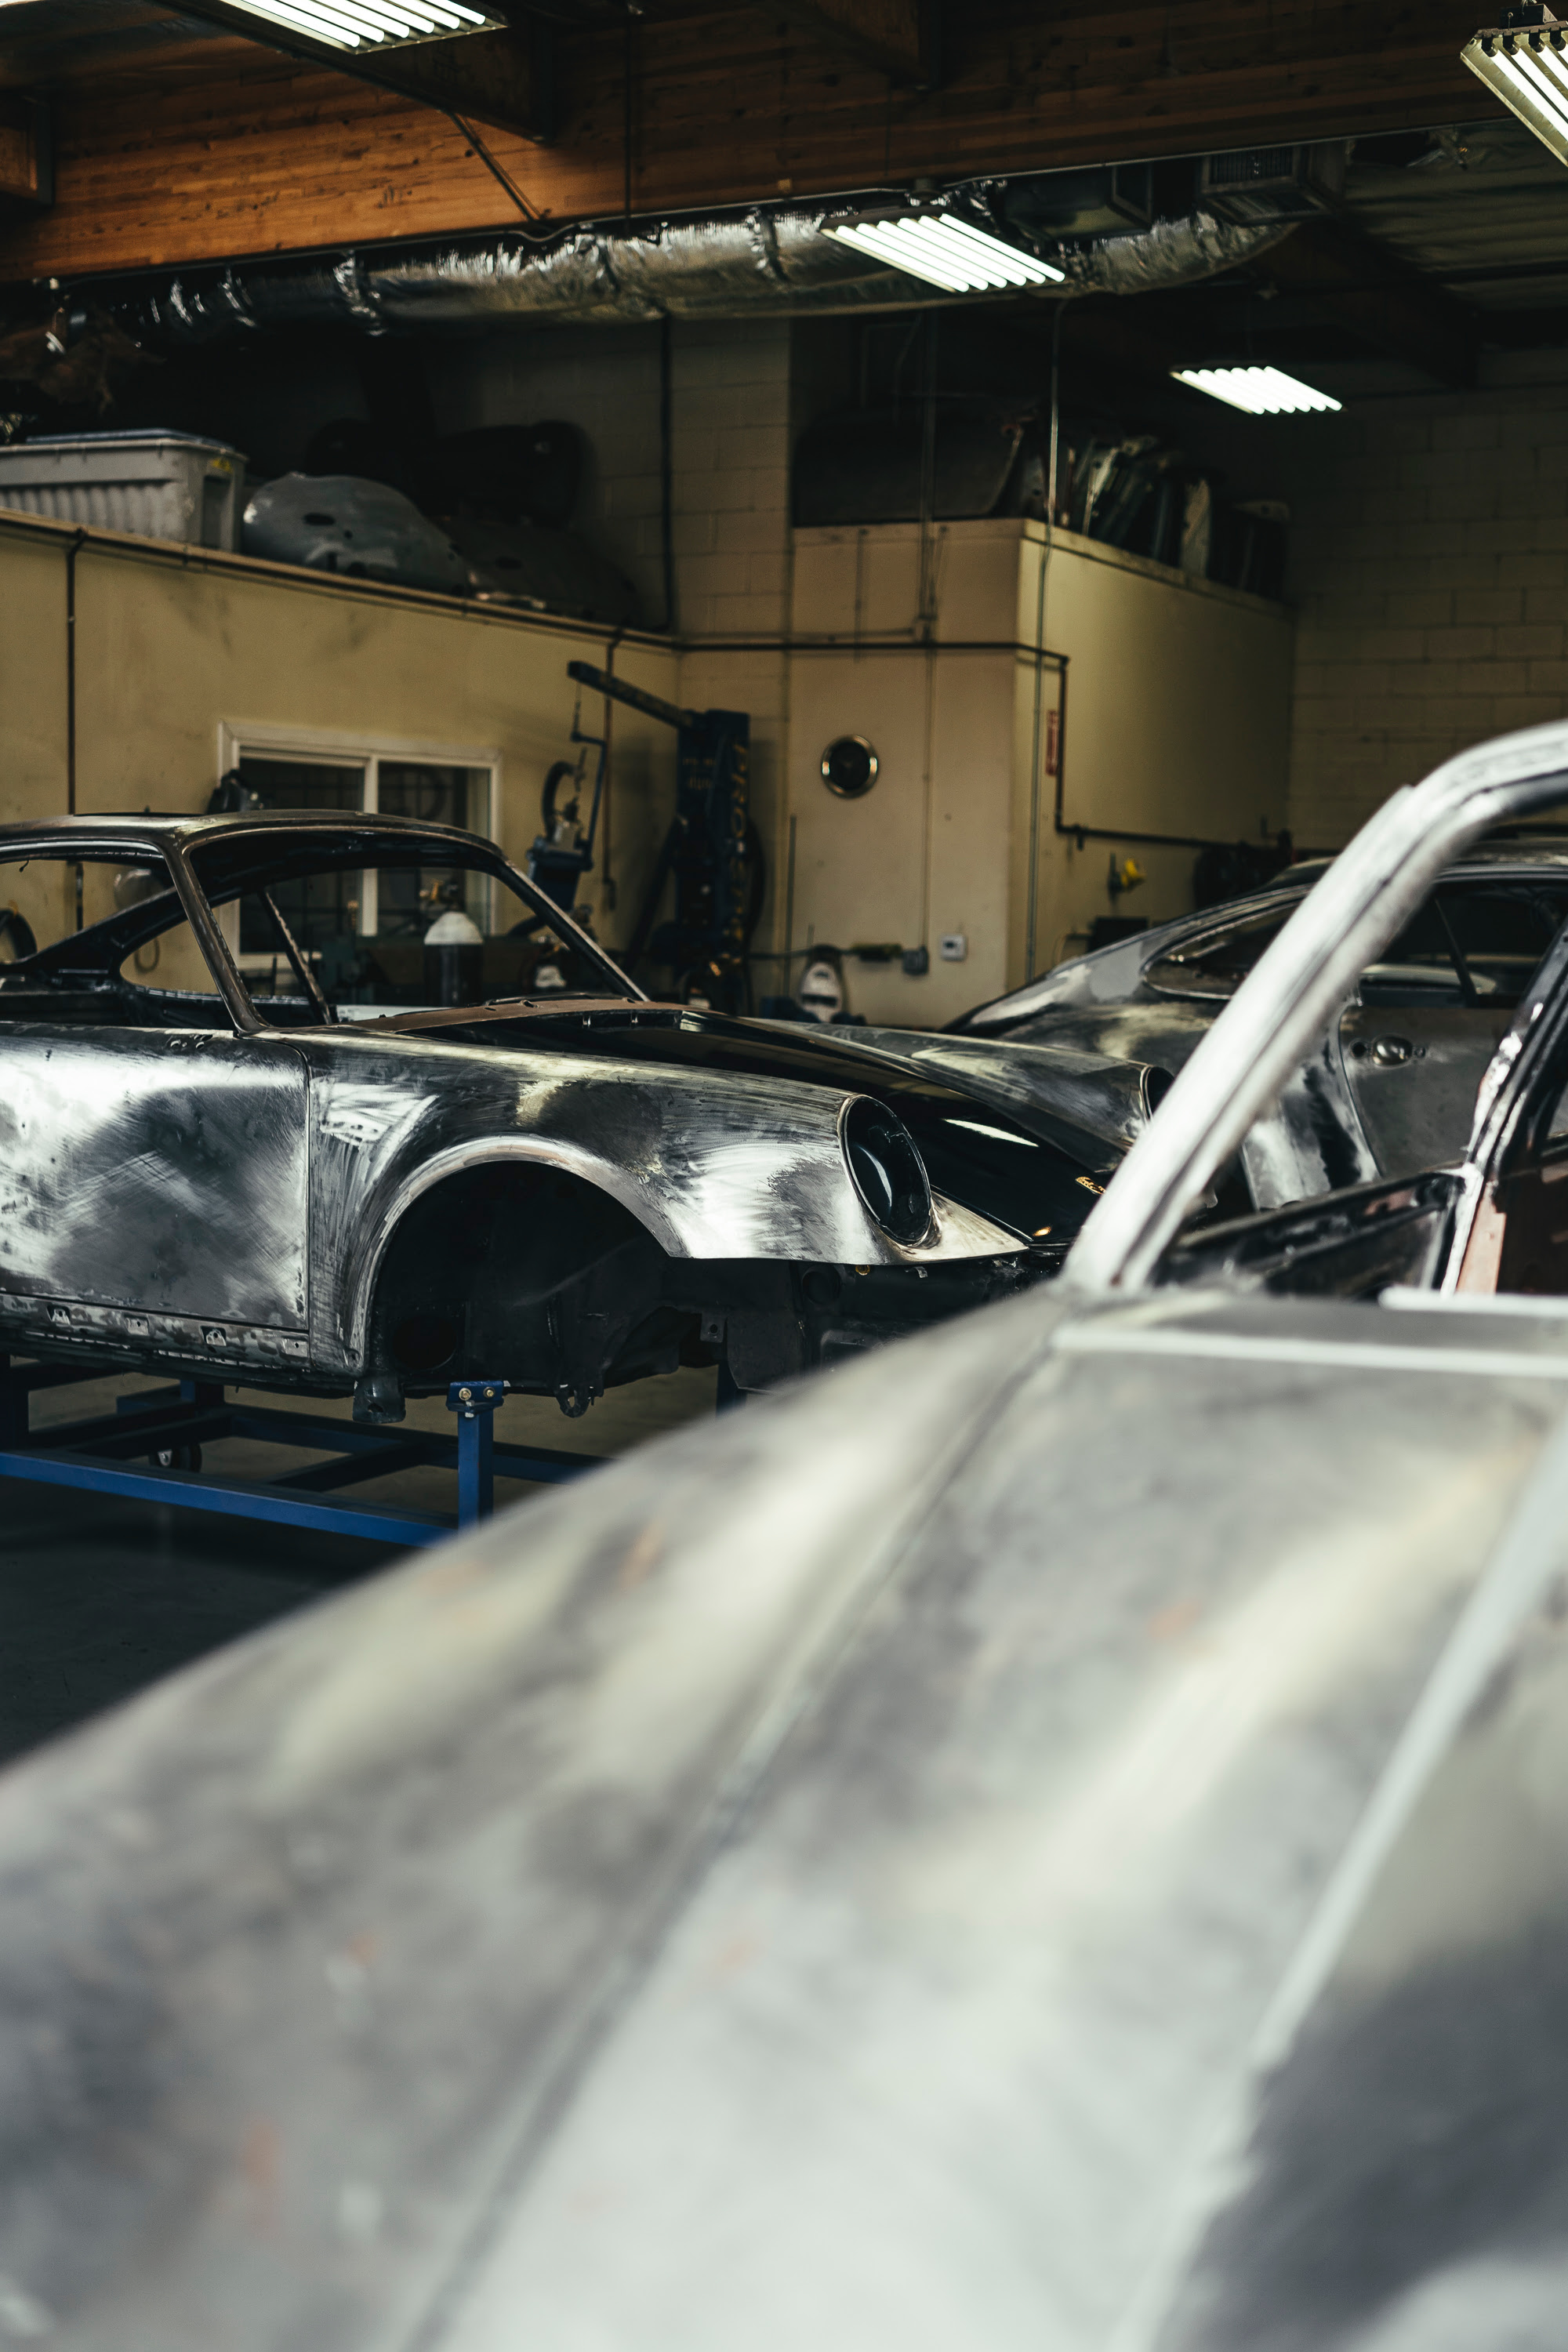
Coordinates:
(114,826)
(1143,948)
(1155,944)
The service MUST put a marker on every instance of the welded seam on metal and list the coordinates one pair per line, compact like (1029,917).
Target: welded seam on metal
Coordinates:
(1532,1551)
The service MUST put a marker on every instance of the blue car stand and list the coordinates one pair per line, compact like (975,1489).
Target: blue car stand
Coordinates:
(165,1430)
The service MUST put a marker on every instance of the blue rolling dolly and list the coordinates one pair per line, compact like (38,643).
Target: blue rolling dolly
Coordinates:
(165,1429)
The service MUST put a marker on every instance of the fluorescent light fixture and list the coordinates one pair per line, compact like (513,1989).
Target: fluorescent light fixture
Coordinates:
(1261,391)
(1528,70)
(945,251)
(371,24)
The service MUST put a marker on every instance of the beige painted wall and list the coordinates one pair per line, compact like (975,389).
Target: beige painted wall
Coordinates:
(1177,721)
(167,651)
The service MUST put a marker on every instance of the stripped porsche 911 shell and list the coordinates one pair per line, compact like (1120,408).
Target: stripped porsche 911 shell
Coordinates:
(342,1103)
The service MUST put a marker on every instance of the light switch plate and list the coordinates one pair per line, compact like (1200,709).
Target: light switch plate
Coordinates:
(952,947)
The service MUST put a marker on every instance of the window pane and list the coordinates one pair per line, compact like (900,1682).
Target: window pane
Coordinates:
(395,931)
(1416,967)
(303,783)
(1502,934)
(1217,966)
(435,795)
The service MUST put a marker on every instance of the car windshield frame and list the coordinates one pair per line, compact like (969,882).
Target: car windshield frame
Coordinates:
(295,851)
(262,855)
(276,848)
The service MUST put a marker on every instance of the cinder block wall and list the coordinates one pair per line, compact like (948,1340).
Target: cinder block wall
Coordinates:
(1429,563)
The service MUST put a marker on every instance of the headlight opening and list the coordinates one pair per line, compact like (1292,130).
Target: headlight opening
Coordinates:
(886,1170)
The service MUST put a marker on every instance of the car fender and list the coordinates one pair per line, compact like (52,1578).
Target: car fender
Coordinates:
(741,1168)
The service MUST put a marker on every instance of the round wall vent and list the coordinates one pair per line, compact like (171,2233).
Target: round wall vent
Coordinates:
(850,767)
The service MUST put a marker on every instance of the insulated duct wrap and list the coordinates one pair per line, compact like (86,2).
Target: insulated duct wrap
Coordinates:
(759,265)
(752,267)
(1169,253)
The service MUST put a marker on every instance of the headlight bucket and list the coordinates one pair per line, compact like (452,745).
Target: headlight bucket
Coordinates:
(886,1168)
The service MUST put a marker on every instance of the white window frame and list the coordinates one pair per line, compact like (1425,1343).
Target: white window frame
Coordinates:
(327,747)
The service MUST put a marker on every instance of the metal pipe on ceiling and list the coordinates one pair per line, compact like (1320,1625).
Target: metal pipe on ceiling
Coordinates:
(766,262)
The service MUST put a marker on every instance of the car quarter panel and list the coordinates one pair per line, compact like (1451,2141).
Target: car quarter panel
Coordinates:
(733,1168)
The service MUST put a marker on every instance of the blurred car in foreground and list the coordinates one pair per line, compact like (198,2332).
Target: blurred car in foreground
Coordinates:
(1054,1836)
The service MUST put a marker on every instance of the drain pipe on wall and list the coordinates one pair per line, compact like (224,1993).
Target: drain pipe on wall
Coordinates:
(667,471)
(1031,923)
(72,551)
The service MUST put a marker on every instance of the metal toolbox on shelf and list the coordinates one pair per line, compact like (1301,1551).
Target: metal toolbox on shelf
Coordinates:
(160,485)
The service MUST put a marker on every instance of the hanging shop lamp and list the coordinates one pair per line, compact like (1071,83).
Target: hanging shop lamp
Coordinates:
(1261,391)
(944,250)
(372,23)
(1527,66)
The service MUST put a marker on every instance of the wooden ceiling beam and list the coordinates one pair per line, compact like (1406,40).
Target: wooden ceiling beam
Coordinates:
(897,37)
(26,164)
(258,154)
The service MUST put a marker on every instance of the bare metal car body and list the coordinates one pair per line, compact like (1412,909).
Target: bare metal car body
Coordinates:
(1049,1840)
(1484,1221)
(1389,1087)
(563,1190)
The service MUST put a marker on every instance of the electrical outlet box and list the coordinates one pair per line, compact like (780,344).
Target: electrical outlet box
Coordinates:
(952,947)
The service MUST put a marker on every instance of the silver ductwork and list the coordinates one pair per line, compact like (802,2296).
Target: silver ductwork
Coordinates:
(757,265)
(1167,254)
(760,264)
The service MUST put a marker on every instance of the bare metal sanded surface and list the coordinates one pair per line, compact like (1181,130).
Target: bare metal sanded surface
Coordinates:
(833,1868)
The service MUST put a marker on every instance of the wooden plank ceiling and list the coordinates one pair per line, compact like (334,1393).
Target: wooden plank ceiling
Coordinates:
(196,150)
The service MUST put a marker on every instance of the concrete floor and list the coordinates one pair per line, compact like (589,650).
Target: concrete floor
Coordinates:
(99,1598)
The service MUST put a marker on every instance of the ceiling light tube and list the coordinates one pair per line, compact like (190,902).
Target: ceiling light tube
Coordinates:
(385,23)
(1261,391)
(1548,61)
(909,246)
(878,240)
(302,16)
(382,24)
(366,27)
(1532,90)
(945,250)
(1535,86)
(1023,267)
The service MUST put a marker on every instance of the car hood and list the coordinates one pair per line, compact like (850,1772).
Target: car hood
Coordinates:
(1050,1837)
(1088,1105)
